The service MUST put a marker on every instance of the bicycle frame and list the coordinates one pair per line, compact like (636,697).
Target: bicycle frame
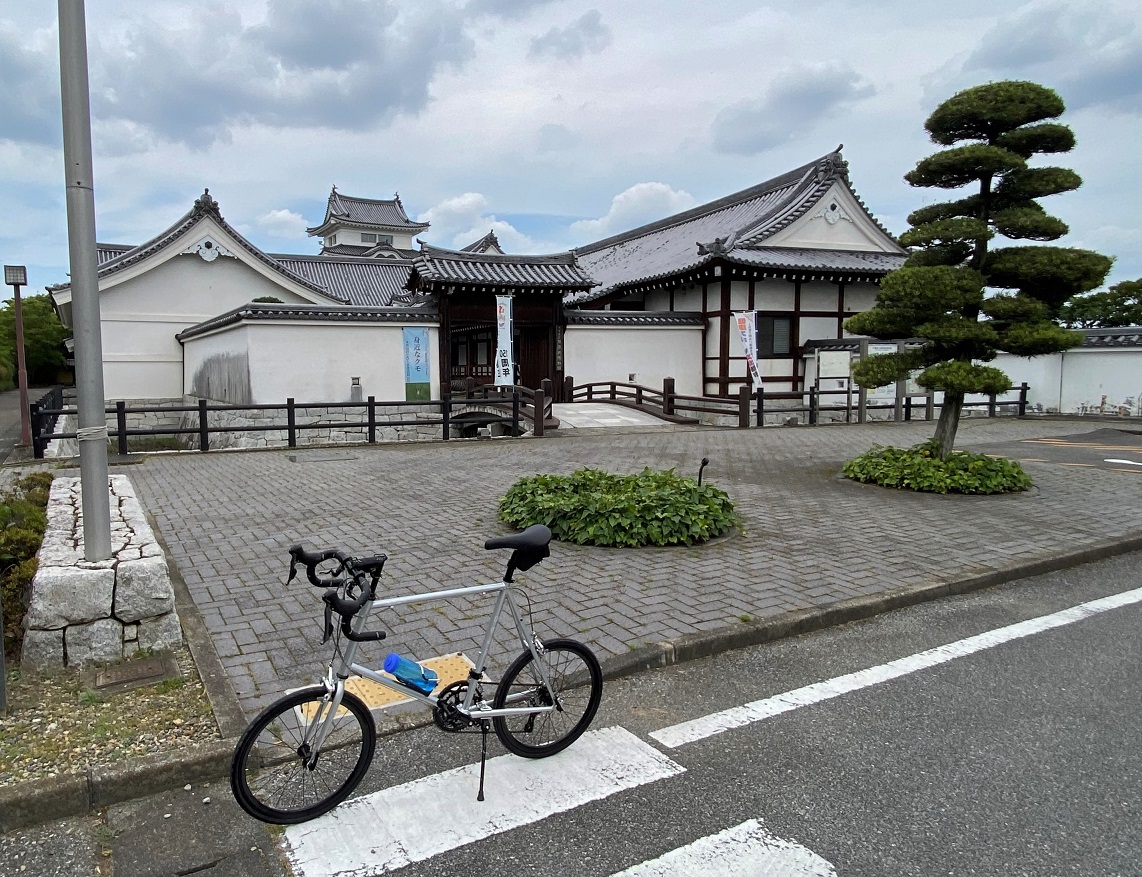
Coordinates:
(335,679)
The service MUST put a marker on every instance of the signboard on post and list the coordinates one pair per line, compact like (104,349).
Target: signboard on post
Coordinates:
(504,370)
(888,391)
(417,376)
(746,321)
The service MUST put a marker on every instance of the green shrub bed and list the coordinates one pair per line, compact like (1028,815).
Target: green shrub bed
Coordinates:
(592,507)
(920,468)
(23,520)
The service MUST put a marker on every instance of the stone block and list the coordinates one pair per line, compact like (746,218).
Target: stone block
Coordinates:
(69,595)
(164,632)
(97,642)
(42,650)
(143,589)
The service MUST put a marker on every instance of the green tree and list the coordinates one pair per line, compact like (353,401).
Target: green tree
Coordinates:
(1120,305)
(44,335)
(940,295)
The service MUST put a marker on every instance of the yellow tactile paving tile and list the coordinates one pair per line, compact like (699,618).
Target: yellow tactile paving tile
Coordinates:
(450,668)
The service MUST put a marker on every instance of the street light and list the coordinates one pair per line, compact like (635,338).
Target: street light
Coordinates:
(16,276)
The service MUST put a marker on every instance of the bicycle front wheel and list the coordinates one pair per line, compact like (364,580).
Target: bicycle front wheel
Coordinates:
(576,689)
(277,774)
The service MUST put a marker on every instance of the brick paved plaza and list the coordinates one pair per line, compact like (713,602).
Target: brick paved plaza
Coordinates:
(810,537)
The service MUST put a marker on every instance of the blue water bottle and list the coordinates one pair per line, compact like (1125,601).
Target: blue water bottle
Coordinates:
(411,673)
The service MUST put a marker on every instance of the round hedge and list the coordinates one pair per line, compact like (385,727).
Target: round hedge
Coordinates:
(592,507)
(920,468)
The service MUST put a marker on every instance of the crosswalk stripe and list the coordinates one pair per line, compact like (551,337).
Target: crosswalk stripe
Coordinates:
(394,827)
(758,710)
(746,850)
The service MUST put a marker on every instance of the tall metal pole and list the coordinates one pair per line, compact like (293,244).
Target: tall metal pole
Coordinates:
(22,372)
(92,432)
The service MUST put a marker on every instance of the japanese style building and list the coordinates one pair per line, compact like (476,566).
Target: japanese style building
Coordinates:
(200,311)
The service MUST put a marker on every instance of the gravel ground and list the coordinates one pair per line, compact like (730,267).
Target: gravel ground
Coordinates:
(60,724)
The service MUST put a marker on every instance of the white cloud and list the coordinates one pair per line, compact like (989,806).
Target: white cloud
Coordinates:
(464,219)
(587,35)
(283,224)
(799,98)
(638,205)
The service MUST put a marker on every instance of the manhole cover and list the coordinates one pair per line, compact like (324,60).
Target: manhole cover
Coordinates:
(135,674)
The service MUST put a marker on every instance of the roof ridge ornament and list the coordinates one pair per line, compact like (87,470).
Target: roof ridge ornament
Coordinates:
(833,165)
(719,246)
(206,204)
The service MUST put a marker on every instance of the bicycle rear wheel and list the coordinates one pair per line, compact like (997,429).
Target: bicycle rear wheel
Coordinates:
(577,687)
(275,777)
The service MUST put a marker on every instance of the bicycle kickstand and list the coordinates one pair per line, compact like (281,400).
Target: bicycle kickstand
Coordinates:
(483,757)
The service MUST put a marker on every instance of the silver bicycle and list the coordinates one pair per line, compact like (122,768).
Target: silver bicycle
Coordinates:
(305,753)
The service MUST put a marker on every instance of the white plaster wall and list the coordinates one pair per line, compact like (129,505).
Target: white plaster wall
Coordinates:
(231,343)
(688,299)
(819,296)
(315,362)
(140,317)
(1076,381)
(817,328)
(739,295)
(852,230)
(773,295)
(612,353)
(860,296)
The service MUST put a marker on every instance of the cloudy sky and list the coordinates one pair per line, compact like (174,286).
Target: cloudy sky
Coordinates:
(553,122)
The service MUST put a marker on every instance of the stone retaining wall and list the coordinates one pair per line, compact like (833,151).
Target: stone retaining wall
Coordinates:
(84,612)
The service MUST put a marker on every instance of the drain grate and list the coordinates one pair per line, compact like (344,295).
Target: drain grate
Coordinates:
(136,674)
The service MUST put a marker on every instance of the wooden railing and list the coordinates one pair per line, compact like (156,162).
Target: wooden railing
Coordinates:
(751,407)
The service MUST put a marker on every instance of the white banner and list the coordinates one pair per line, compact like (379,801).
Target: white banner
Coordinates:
(504,359)
(746,322)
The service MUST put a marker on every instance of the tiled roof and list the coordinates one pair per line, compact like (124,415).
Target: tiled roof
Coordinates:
(311,313)
(489,243)
(107,252)
(205,206)
(345,250)
(826,261)
(1124,336)
(362,282)
(733,227)
(634,318)
(437,267)
(366,212)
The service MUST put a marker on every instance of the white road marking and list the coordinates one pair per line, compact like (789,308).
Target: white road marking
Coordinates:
(716,723)
(412,822)
(1125,462)
(746,850)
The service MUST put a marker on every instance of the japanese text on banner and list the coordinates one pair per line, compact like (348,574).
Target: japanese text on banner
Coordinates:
(746,321)
(504,370)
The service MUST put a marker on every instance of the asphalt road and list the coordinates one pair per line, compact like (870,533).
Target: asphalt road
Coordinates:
(1111,448)
(1024,758)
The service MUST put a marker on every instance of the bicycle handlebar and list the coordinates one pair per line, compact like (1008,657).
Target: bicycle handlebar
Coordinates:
(348,606)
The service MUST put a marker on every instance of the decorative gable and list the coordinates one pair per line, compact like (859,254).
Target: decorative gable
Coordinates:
(838,221)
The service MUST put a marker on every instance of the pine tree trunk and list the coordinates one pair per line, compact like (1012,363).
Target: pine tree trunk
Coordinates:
(949,422)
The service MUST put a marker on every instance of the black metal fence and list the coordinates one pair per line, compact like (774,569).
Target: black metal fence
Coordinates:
(511,406)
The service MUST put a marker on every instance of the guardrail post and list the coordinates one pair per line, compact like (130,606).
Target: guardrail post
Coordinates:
(907,408)
(291,422)
(548,389)
(930,406)
(862,393)
(638,394)
(814,403)
(371,407)
(121,426)
(568,389)
(761,406)
(614,391)
(668,396)
(540,413)
(991,405)
(446,416)
(515,411)
(203,427)
(1023,388)
(744,396)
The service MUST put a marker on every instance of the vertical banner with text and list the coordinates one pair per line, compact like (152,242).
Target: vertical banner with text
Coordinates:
(504,370)
(417,377)
(746,321)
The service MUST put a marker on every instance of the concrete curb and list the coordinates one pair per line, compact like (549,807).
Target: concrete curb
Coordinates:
(76,794)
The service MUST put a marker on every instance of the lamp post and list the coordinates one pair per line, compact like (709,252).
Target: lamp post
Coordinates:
(16,276)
